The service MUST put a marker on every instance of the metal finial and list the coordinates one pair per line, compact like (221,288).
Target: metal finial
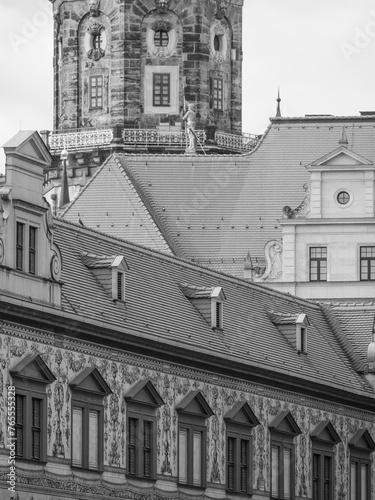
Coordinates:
(343,139)
(278,112)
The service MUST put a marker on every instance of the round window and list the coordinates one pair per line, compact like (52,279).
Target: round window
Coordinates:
(343,198)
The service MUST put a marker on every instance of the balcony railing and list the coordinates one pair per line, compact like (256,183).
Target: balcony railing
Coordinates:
(242,143)
(82,139)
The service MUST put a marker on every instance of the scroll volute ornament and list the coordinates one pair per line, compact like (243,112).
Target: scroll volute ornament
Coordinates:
(162,6)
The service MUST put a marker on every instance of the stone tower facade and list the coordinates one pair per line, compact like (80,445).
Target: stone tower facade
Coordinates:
(136,63)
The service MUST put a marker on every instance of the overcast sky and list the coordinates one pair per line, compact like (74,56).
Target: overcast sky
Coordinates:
(321,53)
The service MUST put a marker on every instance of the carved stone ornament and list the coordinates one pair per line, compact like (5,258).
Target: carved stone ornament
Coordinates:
(56,267)
(220,9)
(94,6)
(302,210)
(96,42)
(162,6)
(274,258)
(162,25)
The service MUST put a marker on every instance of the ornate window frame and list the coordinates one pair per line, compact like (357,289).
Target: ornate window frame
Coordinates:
(160,51)
(94,31)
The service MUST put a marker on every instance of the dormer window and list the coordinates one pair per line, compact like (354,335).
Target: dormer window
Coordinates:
(209,301)
(26,238)
(296,336)
(120,286)
(110,271)
(219,315)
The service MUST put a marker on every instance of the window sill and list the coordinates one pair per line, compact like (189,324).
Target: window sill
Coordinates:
(195,487)
(23,460)
(86,470)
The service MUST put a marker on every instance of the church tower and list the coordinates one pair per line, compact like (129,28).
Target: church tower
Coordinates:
(136,63)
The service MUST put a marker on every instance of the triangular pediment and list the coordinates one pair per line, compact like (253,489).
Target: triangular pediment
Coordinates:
(341,158)
(90,380)
(325,432)
(144,392)
(32,367)
(120,263)
(195,404)
(285,424)
(241,413)
(30,145)
(362,440)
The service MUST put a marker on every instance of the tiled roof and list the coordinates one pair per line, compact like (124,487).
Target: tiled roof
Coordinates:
(110,203)
(356,322)
(157,310)
(214,209)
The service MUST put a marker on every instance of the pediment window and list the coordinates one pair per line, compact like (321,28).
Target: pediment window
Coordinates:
(88,392)
(240,421)
(193,411)
(30,379)
(324,438)
(361,446)
(142,401)
(283,431)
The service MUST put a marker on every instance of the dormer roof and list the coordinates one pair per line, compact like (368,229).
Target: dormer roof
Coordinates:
(93,261)
(202,292)
(289,319)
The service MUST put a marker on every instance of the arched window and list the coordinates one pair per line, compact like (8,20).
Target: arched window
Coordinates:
(217,43)
(161,38)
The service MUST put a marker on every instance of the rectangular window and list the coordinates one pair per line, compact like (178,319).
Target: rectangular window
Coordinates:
(20,230)
(238,463)
(217,88)
(190,453)
(322,476)
(28,426)
(141,447)
(96,92)
(318,264)
(359,479)
(282,471)
(161,89)
(32,249)
(120,286)
(86,435)
(219,315)
(367,263)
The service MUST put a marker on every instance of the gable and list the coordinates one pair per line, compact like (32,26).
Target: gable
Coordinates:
(242,414)
(90,380)
(32,367)
(342,158)
(325,432)
(362,440)
(30,145)
(285,424)
(195,404)
(145,393)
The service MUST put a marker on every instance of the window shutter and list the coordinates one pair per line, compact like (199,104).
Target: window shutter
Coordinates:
(197,462)
(230,472)
(287,472)
(182,456)
(35,428)
(244,464)
(120,286)
(147,449)
(131,446)
(275,471)
(364,481)
(93,441)
(19,424)
(77,436)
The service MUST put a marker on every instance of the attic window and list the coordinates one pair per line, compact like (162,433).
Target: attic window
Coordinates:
(294,327)
(302,339)
(219,315)
(120,286)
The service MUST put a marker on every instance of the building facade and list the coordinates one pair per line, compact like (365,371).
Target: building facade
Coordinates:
(134,374)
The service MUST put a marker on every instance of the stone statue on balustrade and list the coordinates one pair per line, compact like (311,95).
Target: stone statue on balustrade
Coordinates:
(190,119)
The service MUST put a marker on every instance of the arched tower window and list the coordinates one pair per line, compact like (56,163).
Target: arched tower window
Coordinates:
(217,43)
(161,38)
